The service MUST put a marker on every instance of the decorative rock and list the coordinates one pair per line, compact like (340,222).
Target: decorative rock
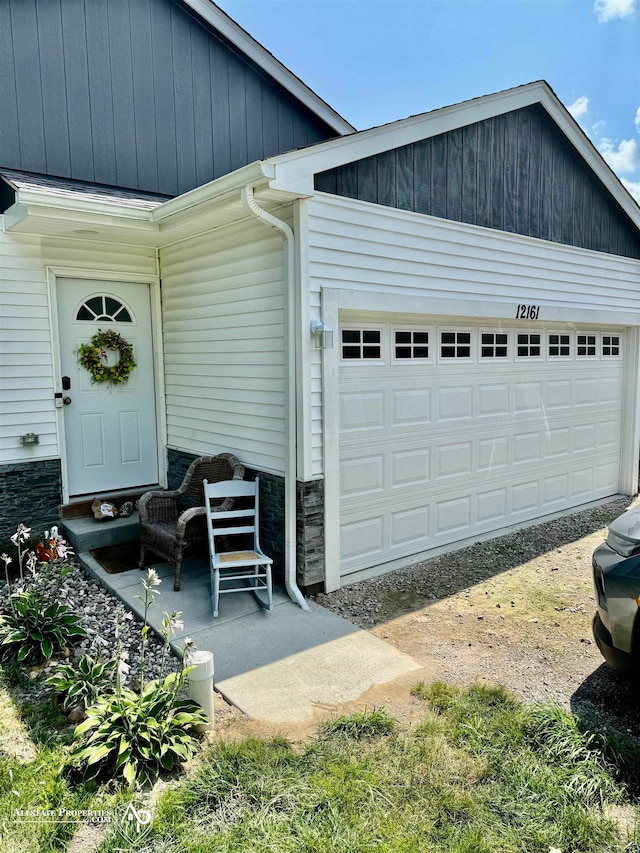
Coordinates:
(76,714)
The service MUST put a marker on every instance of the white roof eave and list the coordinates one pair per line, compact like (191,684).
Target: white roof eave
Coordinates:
(64,212)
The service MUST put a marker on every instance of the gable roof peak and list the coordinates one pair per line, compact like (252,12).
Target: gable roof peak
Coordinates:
(295,170)
(260,56)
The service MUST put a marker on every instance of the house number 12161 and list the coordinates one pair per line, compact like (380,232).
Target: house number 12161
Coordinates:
(527,312)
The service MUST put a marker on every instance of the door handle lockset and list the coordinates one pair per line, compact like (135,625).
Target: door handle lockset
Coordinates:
(66,400)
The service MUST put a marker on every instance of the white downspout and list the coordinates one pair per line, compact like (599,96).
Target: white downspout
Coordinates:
(290,413)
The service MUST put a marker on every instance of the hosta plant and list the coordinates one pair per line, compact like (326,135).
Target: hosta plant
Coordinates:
(83,682)
(34,624)
(133,737)
(33,629)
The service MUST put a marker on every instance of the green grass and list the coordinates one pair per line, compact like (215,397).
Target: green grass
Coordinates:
(33,737)
(481,773)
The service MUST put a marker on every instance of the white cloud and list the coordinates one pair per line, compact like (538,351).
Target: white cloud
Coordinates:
(633,188)
(609,10)
(638,119)
(623,159)
(579,107)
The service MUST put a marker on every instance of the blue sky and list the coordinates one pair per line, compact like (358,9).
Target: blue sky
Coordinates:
(376,61)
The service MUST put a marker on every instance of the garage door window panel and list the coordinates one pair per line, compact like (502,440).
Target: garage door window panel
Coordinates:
(411,345)
(586,345)
(361,344)
(494,345)
(455,345)
(529,345)
(611,346)
(559,345)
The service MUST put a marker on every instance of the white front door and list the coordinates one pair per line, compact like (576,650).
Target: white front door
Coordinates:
(110,430)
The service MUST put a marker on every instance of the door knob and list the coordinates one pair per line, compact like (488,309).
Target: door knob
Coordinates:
(66,400)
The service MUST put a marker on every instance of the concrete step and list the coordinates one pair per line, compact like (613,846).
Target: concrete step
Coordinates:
(86,533)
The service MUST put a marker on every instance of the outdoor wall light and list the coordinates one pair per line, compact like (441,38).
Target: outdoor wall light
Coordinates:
(322,333)
(29,438)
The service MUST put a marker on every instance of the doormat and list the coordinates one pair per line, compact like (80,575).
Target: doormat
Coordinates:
(115,559)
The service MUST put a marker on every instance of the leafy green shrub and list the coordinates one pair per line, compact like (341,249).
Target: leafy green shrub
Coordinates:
(83,682)
(33,629)
(131,737)
(134,737)
(33,623)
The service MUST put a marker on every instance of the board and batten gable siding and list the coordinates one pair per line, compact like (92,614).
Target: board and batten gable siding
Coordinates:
(135,93)
(223,325)
(515,172)
(392,254)
(27,381)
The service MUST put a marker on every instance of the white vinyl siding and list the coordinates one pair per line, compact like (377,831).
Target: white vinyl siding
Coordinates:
(360,248)
(27,381)
(223,314)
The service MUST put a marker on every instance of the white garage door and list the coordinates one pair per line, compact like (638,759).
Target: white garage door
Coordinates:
(449,430)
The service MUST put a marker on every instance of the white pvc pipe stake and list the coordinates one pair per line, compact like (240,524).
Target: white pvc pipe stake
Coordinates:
(201,684)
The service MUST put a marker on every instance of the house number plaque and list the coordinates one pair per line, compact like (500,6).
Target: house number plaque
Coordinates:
(527,312)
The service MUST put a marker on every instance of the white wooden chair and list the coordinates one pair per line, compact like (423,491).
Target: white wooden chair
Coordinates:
(249,567)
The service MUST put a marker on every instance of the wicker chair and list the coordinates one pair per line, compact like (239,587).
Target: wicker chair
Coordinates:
(173,522)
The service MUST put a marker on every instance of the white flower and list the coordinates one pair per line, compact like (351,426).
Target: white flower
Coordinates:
(152,577)
(6,559)
(189,649)
(176,623)
(32,562)
(21,534)
(123,667)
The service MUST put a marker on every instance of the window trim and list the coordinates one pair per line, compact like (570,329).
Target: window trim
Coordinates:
(103,318)
(457,330)
(598,345)
(610,357)
(529,332)
(559,357)
(363,327)
(495,358)
(412,359)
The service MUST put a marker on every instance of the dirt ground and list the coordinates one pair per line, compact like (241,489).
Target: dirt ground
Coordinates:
(515,611)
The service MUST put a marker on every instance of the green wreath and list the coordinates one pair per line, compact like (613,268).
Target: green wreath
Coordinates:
(91,356)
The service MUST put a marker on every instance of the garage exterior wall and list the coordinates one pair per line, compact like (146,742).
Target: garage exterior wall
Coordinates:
(364,257)
(361,250)
(223,326)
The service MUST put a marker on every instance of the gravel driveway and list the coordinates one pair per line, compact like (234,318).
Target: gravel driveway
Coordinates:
(515,610)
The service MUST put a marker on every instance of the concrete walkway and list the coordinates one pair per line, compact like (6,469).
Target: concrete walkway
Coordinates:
(279,666)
